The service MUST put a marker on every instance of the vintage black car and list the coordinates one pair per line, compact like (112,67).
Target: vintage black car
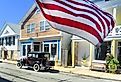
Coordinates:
(35,60)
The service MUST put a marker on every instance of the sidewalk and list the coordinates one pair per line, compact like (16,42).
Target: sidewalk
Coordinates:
(8,61)
(84,71)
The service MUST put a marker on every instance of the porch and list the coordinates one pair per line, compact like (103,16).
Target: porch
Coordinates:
(97,55)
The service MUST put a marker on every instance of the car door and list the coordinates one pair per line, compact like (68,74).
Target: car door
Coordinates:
(31,59)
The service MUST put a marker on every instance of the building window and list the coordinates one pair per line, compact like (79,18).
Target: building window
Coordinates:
(0,41)
(13,40)
(30,28)
(6,41)
(44,25)
(36,47)
(100,52)
(46,47)
(9,41)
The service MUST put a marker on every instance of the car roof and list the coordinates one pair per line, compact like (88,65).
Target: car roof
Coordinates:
(39,52)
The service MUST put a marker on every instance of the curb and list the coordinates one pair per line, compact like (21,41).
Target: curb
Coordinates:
(89,76)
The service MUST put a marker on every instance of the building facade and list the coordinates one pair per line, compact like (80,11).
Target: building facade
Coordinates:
(37,35)
(111,43)
(9,41)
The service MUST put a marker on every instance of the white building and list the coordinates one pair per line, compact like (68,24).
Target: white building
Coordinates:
(9,41)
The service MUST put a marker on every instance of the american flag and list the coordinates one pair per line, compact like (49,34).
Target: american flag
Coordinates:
(79,17)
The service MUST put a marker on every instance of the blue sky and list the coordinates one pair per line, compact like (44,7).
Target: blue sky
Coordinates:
(13,10)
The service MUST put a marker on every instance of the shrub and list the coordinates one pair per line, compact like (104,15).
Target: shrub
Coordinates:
(112,63)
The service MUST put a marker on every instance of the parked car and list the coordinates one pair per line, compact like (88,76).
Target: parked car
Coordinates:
(35,60)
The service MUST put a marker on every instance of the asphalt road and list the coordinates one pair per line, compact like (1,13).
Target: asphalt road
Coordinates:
(9,73)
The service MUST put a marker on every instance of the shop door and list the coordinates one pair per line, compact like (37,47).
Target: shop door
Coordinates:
(53,50)
(24,50)
(5,54)
(46,47)
(28,48)
(36,47)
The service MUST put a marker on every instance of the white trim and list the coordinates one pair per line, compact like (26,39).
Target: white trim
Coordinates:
(99,61)
(50,48)
(114,13)
(49,36)
(21,51)
(44,25)
(30,27)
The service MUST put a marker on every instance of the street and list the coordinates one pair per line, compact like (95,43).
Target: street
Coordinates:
(9,73)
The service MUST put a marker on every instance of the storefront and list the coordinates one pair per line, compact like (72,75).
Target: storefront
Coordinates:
(80,51)
(51,46)
(111,44)
(97,55)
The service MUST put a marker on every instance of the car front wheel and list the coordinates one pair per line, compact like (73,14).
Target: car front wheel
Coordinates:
(19,65)
(36,67)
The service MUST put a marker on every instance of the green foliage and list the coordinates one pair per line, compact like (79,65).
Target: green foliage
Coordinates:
(112,63)
(108,59)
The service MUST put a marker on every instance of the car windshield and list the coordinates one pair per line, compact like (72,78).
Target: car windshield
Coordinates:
(39,55)
(33,55)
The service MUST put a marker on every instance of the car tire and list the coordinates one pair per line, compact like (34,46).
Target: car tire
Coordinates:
(36,67)
(19,65)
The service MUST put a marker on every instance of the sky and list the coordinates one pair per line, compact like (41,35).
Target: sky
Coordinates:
(13,10)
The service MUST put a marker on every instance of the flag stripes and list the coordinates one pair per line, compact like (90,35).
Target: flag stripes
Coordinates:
(81,16)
